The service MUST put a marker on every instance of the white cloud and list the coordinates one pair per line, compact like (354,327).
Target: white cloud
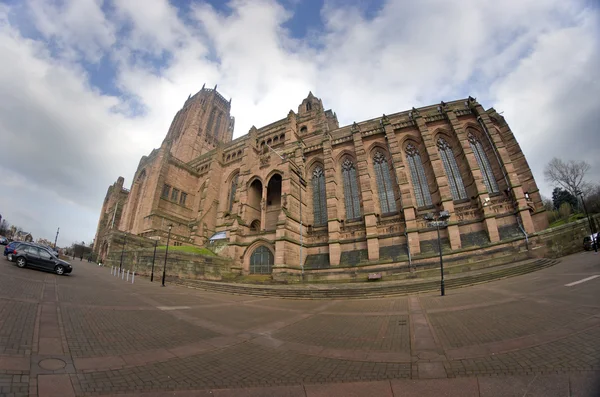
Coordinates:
(77,26)
(536,61)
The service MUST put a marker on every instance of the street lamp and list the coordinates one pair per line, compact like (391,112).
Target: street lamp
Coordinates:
(153,258)
(166,253)
(122,252)
(439,220)
(594,241)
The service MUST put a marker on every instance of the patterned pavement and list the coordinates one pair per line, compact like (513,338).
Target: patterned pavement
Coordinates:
(90,333)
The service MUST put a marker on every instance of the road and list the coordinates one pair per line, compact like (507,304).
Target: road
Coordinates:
(90,333)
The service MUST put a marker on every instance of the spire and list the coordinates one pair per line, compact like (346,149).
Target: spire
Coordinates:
(203,85)
(215,87)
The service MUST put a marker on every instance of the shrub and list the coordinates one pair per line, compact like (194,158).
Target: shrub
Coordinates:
(565,211)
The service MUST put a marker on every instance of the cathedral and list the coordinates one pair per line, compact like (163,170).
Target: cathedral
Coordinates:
(303,194)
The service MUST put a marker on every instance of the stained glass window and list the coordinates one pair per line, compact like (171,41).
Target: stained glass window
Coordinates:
(234,183)
(457,187)
(351,194)
(417,174)
(319,197)
(484,164)
(385,187)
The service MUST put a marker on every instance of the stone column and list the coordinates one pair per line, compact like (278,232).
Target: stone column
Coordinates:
(364,181)
(441,180)
(406,200)
(333,221)
(482,193)
(263,207)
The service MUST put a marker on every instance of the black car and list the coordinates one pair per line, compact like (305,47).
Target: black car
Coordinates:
(32,255)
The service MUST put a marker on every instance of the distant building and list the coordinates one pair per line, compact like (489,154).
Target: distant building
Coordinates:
(361,190)
(23,236)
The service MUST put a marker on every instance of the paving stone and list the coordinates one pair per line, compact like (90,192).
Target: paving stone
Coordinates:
(435,388)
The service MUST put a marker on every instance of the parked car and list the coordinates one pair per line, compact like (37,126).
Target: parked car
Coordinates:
(590,241)
(11,246)
(33,255)
(3,240)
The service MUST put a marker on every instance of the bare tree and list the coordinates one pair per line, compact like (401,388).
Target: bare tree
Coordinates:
(569,175)
(4,227)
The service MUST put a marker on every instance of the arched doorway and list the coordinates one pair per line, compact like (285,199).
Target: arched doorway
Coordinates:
(273,202)
(261,261)
(254,200)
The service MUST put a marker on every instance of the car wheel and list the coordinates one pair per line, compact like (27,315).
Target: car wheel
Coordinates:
(60,270)
(21,262)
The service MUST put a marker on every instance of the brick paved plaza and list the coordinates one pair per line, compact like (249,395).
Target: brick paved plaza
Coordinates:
(93,334)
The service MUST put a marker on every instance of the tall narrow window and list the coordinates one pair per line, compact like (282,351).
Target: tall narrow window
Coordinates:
(457,188)
(210,121)
(165,191)
(484,164)
(182,198)
(417,174)
(174,194)
(217,126)
(234,183)
(319,197)
(308,106)
(351,194)
(387,199)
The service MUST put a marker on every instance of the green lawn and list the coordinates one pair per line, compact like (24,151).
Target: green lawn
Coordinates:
(185,248)
(572,218)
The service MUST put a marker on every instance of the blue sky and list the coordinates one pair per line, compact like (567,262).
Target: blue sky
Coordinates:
(92,85)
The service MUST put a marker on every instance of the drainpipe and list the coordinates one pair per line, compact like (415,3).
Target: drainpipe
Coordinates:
(400,199)
(495,150)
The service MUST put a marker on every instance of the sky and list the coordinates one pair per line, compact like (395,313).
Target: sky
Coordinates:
(87,87)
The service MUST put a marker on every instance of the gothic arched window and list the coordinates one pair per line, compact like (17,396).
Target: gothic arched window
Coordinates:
(385,187)
(351,193)
(319,197)
(484,164)
(308,106)
(218,124)
(261,261)
(234,183)
(210,121)
(457,188)
(417,174)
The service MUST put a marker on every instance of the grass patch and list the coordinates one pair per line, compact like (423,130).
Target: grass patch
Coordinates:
(188,249)
(572,218)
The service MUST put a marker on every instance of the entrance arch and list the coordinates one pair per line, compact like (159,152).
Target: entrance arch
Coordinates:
(261,261)
(273,202)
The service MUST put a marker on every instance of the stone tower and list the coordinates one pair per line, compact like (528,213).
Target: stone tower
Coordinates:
(201,125)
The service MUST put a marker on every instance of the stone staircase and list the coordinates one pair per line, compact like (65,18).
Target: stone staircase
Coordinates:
(373,289)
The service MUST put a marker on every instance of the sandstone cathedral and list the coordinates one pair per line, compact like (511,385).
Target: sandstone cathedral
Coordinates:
(303,194)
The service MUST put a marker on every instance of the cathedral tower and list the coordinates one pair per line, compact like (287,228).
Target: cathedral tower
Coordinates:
(203,123)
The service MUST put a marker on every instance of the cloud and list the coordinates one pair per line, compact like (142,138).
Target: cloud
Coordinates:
(536,61)
(78,27)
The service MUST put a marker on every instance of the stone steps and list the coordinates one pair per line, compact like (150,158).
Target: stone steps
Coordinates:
(373,290)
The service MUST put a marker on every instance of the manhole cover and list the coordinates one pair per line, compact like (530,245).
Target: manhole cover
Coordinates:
(52,364)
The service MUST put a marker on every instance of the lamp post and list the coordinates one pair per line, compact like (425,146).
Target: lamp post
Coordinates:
(122,252)
(56,238)
(594,241)
(153,258)
(439,220)
(166,253)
